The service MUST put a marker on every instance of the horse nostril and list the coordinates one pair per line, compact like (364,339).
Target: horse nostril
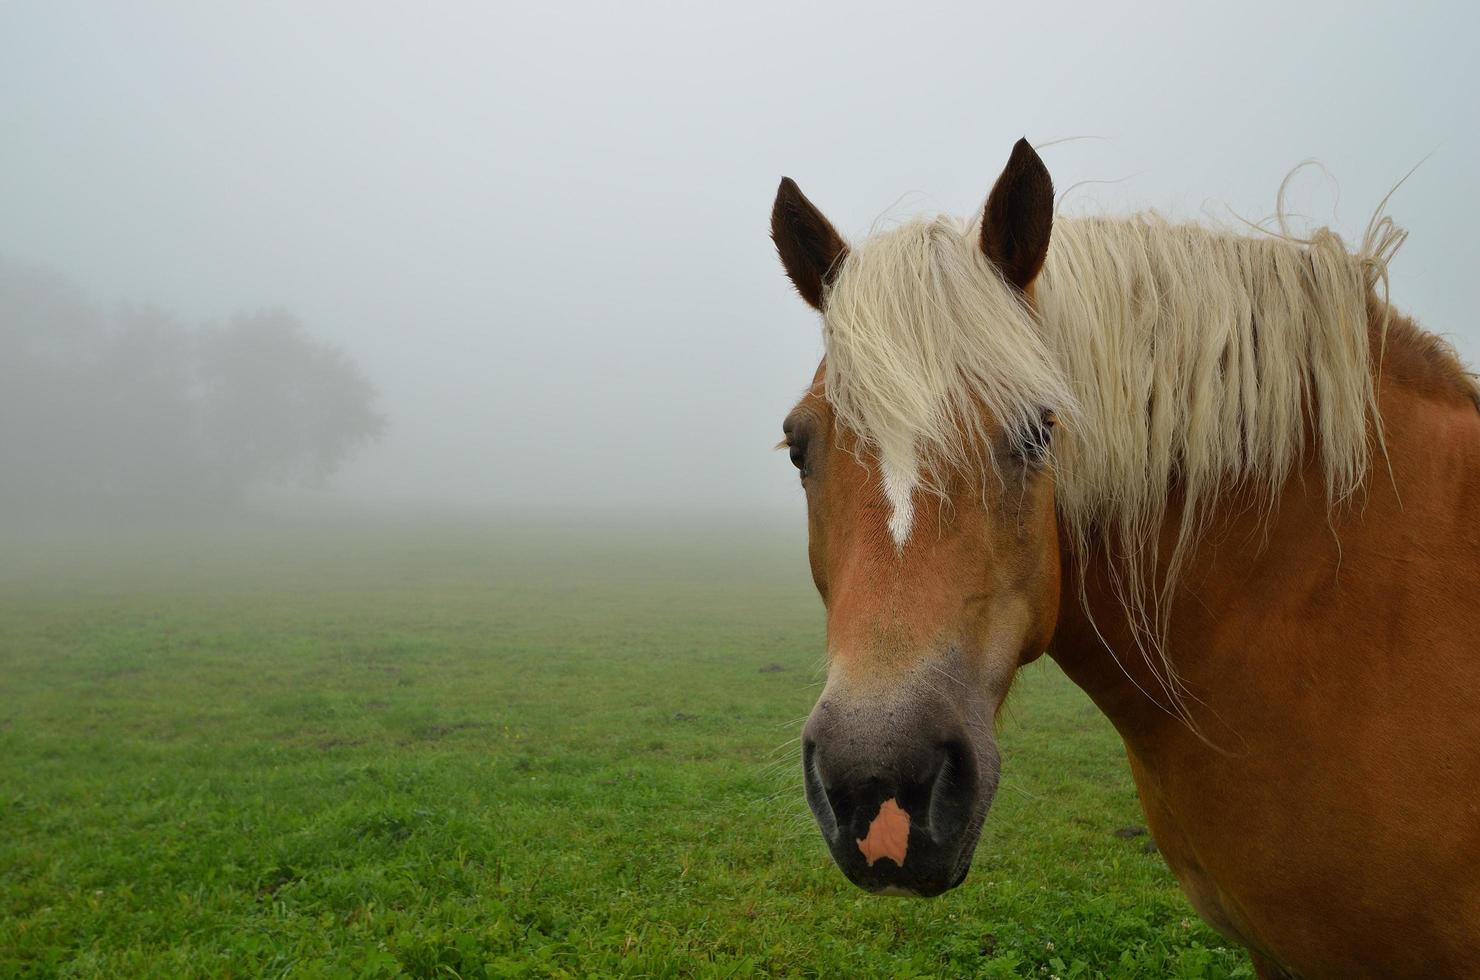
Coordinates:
(816,790)
(954,763)
(952,788)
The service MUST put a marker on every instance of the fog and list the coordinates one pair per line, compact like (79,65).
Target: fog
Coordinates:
(539,231)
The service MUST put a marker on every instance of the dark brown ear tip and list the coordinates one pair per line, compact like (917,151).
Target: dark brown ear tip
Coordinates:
(1018,218)
(808,245)
(1023,153)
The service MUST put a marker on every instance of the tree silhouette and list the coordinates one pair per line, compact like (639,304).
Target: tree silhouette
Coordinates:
(278,407)
(140,411)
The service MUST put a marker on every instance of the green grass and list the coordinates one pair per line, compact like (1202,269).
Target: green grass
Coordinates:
(436,752)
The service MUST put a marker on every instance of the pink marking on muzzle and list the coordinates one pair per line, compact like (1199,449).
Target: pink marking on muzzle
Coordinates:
(888,836)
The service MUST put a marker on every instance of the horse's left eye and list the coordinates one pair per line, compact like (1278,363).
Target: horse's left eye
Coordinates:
(1033,445)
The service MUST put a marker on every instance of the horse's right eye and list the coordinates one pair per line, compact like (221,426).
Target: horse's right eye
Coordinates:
(796,444)
(797,449)
(796,429)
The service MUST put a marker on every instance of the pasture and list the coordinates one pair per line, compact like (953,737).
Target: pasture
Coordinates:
(442,751)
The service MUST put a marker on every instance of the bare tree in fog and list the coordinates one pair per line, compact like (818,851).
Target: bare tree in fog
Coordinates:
(138,412)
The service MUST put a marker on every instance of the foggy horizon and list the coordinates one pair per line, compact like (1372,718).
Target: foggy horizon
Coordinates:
(541,234)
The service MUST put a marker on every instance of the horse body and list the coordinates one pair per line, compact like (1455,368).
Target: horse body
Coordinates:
(1333,823)
(1253,544)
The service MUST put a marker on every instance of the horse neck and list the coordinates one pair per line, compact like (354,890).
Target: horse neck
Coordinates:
(1095,643)
(1244,552)
(1250,561)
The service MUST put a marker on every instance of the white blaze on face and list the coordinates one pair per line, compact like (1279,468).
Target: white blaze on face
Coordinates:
(900,479)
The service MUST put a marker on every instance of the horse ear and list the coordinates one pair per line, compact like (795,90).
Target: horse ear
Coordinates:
(810,248)
(1019,217)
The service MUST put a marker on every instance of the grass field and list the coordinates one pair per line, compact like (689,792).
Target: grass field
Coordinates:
(467,753)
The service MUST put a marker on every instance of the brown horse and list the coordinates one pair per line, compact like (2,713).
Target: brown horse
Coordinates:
(1224,486)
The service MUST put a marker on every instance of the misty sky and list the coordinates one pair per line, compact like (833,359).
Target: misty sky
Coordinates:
(542,228)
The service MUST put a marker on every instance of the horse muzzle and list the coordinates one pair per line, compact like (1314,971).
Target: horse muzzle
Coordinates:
(900,794)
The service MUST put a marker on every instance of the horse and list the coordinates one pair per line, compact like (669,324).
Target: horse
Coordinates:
(1217,477)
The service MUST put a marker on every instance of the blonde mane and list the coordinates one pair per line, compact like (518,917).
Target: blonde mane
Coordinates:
(1174,355)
